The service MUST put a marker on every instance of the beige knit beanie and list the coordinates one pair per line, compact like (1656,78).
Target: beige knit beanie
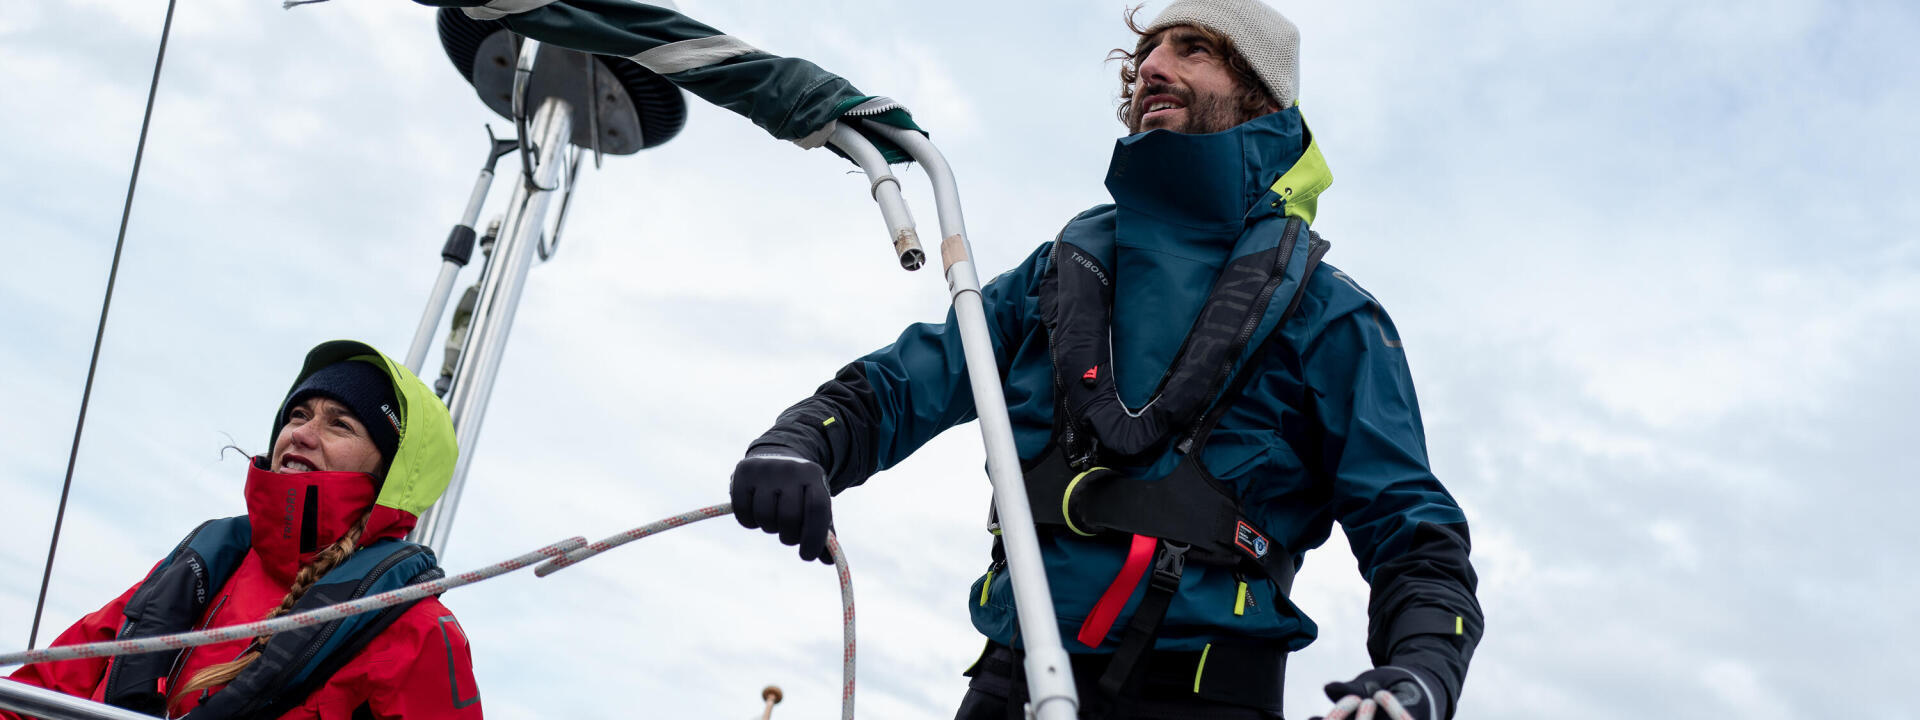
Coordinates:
(1269,41)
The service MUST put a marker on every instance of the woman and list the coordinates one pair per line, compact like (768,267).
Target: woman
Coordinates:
(359,448)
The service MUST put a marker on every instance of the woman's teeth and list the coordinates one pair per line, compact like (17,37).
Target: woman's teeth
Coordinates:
(296,466)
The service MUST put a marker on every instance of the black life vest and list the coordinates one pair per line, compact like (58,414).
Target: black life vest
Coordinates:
(1191,514)
(1069,488)
(292,664)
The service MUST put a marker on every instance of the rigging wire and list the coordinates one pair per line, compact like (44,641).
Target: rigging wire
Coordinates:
(93,364)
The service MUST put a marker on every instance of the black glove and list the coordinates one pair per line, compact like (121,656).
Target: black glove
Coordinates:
(1412,688)
(788,495)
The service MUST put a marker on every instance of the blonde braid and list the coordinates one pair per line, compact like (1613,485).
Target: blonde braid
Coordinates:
(323,562)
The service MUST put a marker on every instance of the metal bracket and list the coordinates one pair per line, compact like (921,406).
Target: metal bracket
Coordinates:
(522,75)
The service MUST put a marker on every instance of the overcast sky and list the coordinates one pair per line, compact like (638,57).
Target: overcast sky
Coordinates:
(1653,264)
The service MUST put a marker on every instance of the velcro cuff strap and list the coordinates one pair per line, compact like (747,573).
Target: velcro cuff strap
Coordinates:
(1425,621)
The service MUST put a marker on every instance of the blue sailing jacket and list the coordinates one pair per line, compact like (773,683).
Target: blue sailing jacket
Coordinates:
(1329,430)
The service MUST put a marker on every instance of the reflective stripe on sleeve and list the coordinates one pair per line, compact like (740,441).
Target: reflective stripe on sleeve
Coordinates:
(691,54)
(502,8)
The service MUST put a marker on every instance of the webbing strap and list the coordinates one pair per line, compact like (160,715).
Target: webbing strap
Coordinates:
(1094,629)
(1118,681)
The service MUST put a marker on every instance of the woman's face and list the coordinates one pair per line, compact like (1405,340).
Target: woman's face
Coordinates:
(322,435)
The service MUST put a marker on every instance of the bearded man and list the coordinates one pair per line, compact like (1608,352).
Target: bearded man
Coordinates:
(1196,399)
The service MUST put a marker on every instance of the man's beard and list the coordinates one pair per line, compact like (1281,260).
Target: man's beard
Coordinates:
(1207,113)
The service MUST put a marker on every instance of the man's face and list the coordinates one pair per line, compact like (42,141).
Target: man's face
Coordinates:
(1185,85)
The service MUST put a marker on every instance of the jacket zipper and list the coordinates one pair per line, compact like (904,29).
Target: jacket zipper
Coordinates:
(180,663)
(879,105)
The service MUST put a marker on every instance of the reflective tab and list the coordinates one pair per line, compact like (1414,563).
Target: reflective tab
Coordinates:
(828,421)
(1202,667)
(691,54)
(1240,600)
(1459,625)
(984,586)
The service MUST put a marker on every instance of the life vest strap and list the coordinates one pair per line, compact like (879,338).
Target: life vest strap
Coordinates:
(1094,629)
(1120,679)
(1188,507)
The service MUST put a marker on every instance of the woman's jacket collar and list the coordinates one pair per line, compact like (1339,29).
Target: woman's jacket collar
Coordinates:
(295,515)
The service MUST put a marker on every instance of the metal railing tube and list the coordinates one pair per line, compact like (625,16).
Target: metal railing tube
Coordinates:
(443,285)
(493,315)
(35,701)
(885,189)
(430,320)
(1049,676)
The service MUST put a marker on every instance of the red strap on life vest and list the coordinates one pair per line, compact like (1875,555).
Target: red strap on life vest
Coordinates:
(1105,612)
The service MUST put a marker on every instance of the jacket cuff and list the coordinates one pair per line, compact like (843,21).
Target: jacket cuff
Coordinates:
(1437,664)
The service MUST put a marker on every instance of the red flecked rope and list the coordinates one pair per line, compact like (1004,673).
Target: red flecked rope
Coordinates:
(284,623)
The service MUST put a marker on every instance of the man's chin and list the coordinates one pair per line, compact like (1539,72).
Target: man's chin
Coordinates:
(1156,124)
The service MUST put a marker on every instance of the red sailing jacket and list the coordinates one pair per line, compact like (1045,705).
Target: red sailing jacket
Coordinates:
(417,668)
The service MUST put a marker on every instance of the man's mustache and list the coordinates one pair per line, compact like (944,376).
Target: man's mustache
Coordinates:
(1140,108)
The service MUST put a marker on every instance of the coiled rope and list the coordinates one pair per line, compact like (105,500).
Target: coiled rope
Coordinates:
(563,554)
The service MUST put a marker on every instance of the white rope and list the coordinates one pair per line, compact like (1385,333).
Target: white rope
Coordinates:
(390,598)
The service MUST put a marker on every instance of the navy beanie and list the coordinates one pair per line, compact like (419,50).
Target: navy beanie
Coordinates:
(365,390)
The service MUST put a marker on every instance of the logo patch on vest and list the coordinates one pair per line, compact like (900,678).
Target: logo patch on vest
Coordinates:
(1250,539)
(1099,273)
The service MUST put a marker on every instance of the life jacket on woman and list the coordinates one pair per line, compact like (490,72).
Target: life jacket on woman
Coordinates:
(410,661)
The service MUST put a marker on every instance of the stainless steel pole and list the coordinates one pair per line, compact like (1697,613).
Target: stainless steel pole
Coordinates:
(47,704)
(1049,676)
(443,285)
(493,315)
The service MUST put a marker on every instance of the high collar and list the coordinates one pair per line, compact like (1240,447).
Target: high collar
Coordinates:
(1204,181)
(295,515)
(1182,202)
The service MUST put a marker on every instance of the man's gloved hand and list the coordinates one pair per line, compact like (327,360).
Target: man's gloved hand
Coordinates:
(1403,693)
(787,495)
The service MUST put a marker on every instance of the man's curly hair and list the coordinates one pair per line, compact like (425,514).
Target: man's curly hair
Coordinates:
(1253,97)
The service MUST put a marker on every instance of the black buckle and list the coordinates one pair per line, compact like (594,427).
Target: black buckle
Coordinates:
(1086,455)
(1168,566)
